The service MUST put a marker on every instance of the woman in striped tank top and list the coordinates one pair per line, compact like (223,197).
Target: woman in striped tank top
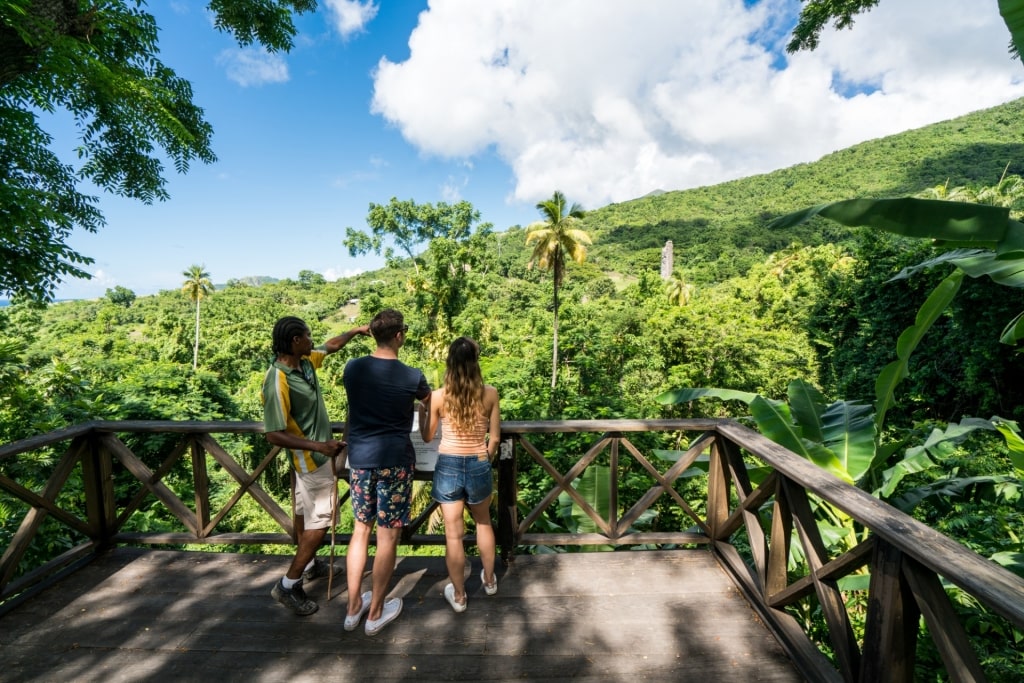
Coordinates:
(467,411)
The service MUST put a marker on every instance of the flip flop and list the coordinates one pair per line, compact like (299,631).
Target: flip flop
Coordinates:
(352,620)
(392,608)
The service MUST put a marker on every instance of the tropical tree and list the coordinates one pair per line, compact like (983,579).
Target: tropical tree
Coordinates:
(557,238)
(196,286)
(678,290)
(99,63)
(121,296)
(816,15)
(441,284)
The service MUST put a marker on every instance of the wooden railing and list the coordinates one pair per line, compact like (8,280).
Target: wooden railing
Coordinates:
(750,529)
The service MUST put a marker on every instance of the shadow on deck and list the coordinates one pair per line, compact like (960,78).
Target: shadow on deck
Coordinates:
(137,614)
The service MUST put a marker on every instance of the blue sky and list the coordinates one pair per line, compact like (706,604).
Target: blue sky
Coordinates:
(502,102)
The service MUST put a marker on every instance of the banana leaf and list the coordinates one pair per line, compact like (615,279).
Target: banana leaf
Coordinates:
(1013,442)
(686,395)
(807,404)
(775,422)
(955,224)
(848,431)
(1011,560)
(1012,12)
(894,373)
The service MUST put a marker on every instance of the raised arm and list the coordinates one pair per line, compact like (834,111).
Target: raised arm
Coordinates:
(336,343)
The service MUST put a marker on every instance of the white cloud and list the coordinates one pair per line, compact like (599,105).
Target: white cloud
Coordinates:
(451,189)
(607,101)
(253,66)
(351,16)
(333,274)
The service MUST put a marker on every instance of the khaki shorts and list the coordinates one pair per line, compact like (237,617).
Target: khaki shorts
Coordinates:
(314,496)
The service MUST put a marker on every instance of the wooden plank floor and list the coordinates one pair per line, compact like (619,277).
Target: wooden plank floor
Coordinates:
(156,615)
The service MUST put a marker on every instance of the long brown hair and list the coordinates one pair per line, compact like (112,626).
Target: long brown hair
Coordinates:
(463,385)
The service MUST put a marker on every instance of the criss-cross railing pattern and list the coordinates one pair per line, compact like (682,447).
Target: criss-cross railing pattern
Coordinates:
(752,524)
(753,531)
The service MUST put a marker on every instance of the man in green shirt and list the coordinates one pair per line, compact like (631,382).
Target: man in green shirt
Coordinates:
(295,418)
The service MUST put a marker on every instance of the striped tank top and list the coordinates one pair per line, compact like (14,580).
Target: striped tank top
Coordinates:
(471,443)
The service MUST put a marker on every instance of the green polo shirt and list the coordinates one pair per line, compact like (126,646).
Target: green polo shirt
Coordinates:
(293,403)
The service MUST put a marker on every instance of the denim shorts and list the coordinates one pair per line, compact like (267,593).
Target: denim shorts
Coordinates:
(462,478)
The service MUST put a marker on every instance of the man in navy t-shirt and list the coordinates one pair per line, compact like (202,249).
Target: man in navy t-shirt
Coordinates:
(382,392)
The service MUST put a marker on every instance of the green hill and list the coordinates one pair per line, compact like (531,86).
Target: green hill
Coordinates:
(707,222)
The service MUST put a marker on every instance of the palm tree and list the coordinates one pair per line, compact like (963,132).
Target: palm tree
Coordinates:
(557,237)
(196,286)
(679,291)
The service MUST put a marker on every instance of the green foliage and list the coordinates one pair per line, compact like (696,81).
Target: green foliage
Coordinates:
(121,296)
(99,63)
(816,15)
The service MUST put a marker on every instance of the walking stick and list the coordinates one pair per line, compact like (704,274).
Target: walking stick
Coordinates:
(334,523)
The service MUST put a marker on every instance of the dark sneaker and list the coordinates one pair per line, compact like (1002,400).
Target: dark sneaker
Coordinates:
(294,599)
(321,567)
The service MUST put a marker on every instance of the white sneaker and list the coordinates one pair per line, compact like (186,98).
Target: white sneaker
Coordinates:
(392,608)
(490,589)
(449,595)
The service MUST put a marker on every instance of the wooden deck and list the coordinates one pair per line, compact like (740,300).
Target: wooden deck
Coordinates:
(148,615)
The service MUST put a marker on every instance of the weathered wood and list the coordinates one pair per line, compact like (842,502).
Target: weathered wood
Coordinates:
(201,484)
(840,631)
(890,634)
(807,658)
(247,483)
(638,538)
(170,615)
(35,516)
(841,566)
(564,483)
(178,538)
(777,565)
(98,486)
(663,486)
(753,501)
(38,501)
(150,482)
(718,493)
(508,496)
(42,577)
(34,443)
(142,495)
(943,625)
(999,589)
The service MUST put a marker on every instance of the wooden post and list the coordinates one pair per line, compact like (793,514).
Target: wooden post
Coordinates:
(718,490)
(508,493)
(201,481)
(890,631)
(98,485)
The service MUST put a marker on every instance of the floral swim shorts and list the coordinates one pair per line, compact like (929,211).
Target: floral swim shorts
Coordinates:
(382,495)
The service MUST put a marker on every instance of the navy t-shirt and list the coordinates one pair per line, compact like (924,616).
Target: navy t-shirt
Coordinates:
(381,394)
